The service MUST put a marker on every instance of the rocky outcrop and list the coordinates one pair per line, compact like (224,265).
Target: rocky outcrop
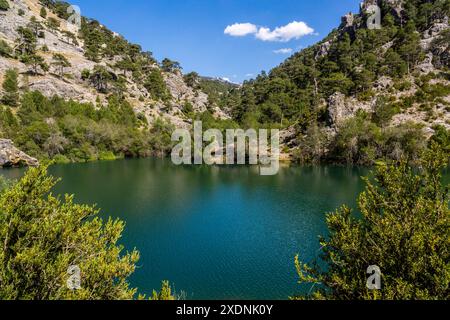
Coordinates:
(323,50)
(181,92)
(10,156)
(347,20)
(341,108)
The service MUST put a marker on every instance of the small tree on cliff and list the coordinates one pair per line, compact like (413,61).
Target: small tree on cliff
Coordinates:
(43,12)
(11,89)
(35,62)
(60,62)
(4,5)
(43,237)
(403,229)
(100,77)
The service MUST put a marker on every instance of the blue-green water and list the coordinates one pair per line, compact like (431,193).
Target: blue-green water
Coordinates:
(215,233)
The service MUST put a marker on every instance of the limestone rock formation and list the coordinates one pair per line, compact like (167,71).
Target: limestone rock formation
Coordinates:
(10,156)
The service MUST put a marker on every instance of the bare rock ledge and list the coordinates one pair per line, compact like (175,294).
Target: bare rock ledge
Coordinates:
(10,156)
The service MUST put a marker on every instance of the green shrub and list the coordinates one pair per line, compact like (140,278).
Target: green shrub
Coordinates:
(5,49)
(4,5)
(106,156)
(61,159)
(402,229)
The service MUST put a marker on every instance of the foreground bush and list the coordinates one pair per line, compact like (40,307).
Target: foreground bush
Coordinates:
(42,236)
(403,228)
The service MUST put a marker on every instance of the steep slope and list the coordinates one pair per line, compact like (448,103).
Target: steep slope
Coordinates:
(360,94)
(58,54)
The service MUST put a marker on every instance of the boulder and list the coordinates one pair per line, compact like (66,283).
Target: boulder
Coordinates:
(10,156)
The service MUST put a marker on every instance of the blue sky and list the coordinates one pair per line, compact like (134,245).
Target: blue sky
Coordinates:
(193,31)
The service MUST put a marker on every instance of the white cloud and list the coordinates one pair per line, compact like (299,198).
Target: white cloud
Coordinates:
(283,51)
(293,30)
(249,75)
(241,29)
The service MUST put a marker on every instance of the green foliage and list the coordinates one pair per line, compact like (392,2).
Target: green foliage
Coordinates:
(402,228)
(4,183)
(53,24)
(11,88)
(361,141)
(188,108)
(4,5)
(35,62)
(60,62)
(442,138)
(168,65)
(26,42)
(20,12)
(43,13)
(43,235)
(85,74)
(156,85)
(161,137)
(8,122)
(164,294)
(100,77)
(49,128)
(192,79)
(36,27)
(383,112)
(5,49)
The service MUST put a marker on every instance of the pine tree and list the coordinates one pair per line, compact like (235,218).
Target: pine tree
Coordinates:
(4,5)
(11,88)
(35,62)
(100,78)
(60,62)
(43,13)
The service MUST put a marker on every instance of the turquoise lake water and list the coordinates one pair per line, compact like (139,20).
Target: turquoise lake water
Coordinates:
(214,232)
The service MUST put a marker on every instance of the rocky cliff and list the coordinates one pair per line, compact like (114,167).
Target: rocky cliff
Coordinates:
(10,156)
(67,40)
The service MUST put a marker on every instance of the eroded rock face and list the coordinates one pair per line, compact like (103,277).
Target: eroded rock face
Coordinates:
(10,156)
(348,20)
(181,92)
(341,108)
(323,50)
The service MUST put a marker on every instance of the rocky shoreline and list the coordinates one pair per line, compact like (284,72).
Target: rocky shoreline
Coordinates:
(10,156)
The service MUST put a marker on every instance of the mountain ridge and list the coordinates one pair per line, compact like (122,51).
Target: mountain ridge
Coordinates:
(394,77)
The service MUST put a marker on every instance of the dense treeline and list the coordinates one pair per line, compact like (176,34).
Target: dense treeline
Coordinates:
(71,131)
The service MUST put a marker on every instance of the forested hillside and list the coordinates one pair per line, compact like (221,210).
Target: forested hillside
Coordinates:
(360,94)
(85,93)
